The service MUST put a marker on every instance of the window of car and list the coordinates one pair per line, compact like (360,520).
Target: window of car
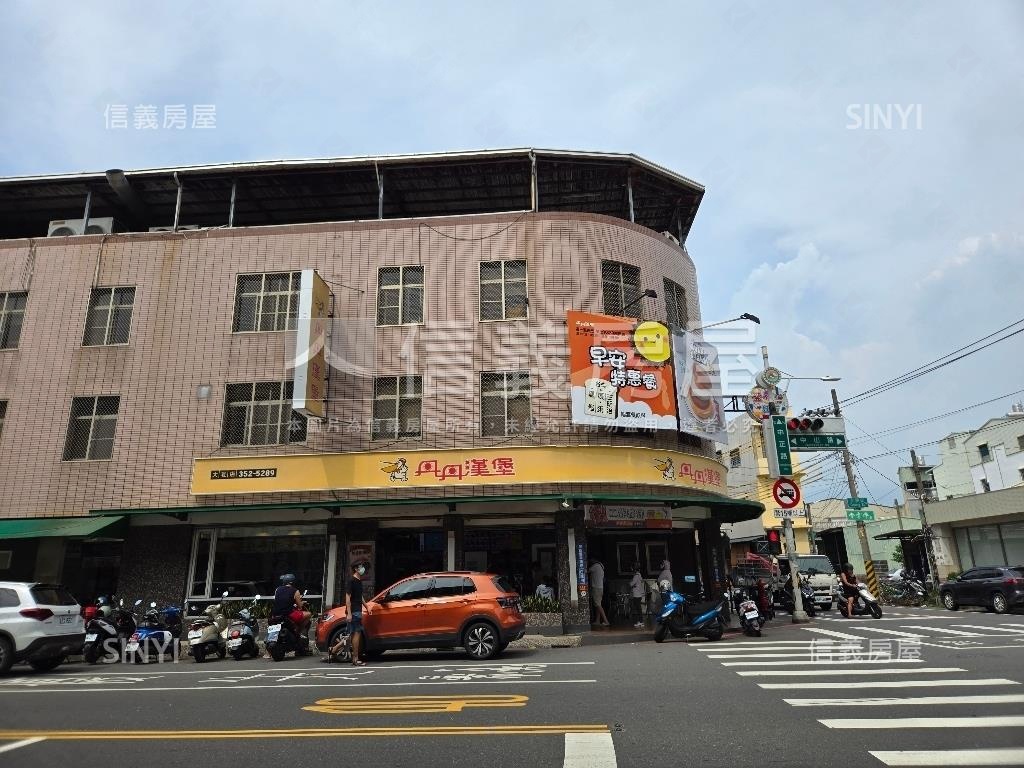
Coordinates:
(50,594)
(447,586)
(990,573)
(413,589)
(502,584)
(9,598)
(468,586)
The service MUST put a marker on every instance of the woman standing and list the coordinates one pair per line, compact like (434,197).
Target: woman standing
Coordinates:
(636,588)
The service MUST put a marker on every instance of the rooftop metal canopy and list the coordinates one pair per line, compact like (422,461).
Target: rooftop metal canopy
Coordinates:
(358,188)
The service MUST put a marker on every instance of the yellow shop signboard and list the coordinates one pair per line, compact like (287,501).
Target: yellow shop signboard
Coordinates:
(464,466)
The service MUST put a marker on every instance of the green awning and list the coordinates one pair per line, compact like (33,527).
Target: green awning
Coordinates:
(47,527)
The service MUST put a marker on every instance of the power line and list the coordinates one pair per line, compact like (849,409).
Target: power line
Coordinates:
(934,365)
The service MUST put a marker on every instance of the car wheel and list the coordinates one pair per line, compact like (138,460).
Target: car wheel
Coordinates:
(6,655)
(481,641)
(345,655)
(45,665)
(949,601)
(999,604)
(659,633)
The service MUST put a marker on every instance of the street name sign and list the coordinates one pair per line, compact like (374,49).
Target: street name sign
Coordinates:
(857,503)
(860,515)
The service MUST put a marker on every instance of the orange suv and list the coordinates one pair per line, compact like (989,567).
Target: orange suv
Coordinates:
(478,611)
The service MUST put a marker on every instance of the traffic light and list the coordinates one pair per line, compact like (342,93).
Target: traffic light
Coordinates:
(774,542)
(805,424)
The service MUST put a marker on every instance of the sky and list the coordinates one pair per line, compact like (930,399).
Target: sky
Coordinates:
(867,246)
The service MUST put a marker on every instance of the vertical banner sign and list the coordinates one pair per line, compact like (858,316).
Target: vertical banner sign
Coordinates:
(310,389)
(620,371)
(581,570)
(776,445)
(699,387)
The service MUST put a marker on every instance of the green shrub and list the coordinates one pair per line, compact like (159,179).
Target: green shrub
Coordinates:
(534,604)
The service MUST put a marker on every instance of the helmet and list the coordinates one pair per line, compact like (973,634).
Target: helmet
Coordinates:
(101,600)
(288,578)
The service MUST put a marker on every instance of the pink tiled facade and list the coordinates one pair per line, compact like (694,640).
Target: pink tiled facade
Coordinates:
(181,339)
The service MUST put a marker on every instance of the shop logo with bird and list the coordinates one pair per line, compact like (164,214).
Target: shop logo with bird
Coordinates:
(398,471)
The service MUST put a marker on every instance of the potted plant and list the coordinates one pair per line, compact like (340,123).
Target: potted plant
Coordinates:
(543,616)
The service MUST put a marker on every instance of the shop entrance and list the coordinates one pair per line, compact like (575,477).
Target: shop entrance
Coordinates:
(524,556)
(405,552)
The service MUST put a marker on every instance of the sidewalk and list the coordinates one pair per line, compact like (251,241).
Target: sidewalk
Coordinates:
(613,635)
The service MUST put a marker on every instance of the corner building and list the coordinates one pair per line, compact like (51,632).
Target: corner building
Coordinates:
(148,442)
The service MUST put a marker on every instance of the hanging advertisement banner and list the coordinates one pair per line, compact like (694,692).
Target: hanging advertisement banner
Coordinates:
(700,403)
(310,390)
(626,516)
(621,372)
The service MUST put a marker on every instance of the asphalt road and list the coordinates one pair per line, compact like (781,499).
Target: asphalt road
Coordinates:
(917,687)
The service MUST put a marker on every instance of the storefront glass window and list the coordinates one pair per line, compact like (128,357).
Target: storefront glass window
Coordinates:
(963,547)
(985,545)
(1013,542)
(249,561)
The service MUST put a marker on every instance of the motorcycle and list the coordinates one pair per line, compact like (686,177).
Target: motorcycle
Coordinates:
(206,633)
(283,636)
(156,635)
(864,604)
(242,634)
(107,634)
(684,619)
(751,620)
(786,601)
(907,591)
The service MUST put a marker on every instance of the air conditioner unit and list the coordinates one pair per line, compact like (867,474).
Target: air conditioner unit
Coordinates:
(171,229)
(98,226)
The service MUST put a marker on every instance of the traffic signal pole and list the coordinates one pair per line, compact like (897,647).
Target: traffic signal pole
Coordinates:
(862,531)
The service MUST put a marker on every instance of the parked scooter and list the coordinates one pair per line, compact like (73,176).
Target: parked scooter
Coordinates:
(108,633)
(242,633)
(751,620)
(865,604)
(785,596)
(283,637)
(684,619)
(206,633)
(156,636)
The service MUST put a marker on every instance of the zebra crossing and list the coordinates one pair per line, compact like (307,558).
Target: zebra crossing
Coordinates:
(944,630)
(827,672)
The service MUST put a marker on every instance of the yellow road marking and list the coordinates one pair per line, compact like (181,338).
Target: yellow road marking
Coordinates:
(310,733)
(390,705)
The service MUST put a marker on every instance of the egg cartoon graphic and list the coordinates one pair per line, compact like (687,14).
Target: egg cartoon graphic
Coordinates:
(652,341)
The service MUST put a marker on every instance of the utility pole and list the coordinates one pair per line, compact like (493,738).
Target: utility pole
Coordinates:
(799,615)
(862,531)
(810,529)
(929,550)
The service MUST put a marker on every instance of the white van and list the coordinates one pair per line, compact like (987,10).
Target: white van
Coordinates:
(820,575)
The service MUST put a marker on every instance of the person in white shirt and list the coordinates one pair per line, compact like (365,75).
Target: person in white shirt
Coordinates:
(596,574)
(636,587)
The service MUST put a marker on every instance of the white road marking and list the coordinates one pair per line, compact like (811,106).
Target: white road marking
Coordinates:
(890,683)
(1007,756)
(822,645)
(190,688)
(827,672)
(589,750)
(19,744)
(1010,698)
(990,629)
(892,632)
(817,653)
(890,723)
(207,669)
(830,633)
(946,631)
(825,662)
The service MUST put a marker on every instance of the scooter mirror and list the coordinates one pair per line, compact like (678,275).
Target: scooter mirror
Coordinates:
(257,597)
(153,604)
(121,602)
(138,603)
(224,593)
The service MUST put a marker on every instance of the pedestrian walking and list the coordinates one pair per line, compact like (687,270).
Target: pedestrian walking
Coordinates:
(354,604)
(636,587)
(596,574)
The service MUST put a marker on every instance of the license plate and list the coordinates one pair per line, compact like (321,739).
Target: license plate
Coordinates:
(237,642)
(195,635)
(132,647)
(90,638)
(272,632)
(66,619)
(750,615)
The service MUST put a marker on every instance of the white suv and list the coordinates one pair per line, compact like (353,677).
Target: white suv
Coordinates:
(39,623)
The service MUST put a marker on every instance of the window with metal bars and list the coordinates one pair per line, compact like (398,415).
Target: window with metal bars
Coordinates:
(91,429)
(734,458)
(400,295)
(268,301)
(503,290)
(675,304)
(110,316)
(260,413)
(12,316)
(397,407)
(505,403)
(621,284)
